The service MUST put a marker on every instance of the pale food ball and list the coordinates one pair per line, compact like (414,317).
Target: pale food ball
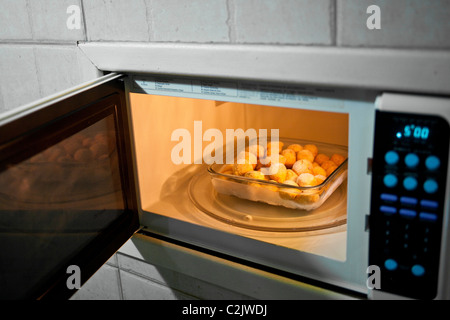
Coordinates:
(255,175)
(240,169)
(291,183)
(291,175)
(306,180)
(302,166)
(278,172)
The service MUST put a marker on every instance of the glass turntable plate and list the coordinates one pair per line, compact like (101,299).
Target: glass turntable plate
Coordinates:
(265,217)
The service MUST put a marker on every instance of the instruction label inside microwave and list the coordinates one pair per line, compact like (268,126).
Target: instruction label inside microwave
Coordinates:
(232,90)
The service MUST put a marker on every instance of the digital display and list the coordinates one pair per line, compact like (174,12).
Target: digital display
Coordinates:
(414,131)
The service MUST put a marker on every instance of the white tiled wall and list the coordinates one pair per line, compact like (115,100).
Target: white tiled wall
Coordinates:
(404,24)
(19,78)
(39,56)
(116,20)
(15,23)
(48,20)
(189,21)
(35,70)
(285,22)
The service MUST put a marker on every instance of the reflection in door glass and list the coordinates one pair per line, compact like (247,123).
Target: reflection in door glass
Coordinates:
(54,204)
(81,168)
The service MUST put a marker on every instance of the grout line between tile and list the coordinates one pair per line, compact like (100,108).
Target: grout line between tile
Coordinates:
(85,32)
(231,24)
(333,22)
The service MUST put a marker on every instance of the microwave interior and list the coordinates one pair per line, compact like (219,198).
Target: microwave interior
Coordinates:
(181,149)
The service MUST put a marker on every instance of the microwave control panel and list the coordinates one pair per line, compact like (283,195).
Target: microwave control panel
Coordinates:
(409,174)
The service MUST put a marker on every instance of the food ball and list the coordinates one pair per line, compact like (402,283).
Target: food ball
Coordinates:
(291,175)
(307,198)
(54,153)
(83,155)
(291,183)
(305,154)
(318,170)
(328,164)
(338,159)
(321,158)
(331,169)
(319,179)
(87,142)
(277,146)
(99,149)
(245,157)
(255,175)
(306,180)
(240,169)
(313,148)
(295,147)
(302,166)
(289,193)
(102,137)
(271,187)
(274,158)
(259,165)
(71,146)
(290,156)
(278,172)
(257,150)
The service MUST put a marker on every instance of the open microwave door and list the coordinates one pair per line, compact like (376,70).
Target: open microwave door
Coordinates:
(67,198)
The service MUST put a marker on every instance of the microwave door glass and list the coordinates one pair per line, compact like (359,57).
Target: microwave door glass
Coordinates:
(63,200)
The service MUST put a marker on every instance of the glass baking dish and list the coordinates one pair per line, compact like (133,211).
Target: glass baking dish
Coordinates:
(282,194)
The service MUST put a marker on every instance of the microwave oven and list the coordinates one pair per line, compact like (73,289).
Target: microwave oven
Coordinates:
(84,170)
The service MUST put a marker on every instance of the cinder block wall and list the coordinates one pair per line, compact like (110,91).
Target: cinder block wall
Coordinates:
(38,53)
(39,56)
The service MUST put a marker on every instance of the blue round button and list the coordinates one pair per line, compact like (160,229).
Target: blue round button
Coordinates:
(410,183)
(390,264)
(430,186)
(418,270)
(390,180)
(391,157)
(411,160)
(432,163)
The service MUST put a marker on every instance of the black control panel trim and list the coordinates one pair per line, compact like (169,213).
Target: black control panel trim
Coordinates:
(409,174)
